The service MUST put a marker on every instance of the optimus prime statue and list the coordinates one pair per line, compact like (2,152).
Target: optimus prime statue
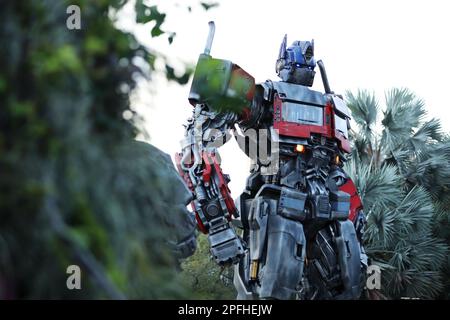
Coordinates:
(296,230)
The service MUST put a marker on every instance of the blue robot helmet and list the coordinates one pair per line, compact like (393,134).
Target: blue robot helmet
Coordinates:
(296,63)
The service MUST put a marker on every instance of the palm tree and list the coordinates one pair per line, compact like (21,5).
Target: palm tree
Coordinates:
(401,167)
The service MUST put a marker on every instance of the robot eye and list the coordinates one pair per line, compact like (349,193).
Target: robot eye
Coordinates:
(309,53)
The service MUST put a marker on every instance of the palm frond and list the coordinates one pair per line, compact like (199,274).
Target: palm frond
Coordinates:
(376,186)
(430,131)
(364,108)
(404,112)
(404,183)
(431,169)
(414,213)
(380,230)
(359,147)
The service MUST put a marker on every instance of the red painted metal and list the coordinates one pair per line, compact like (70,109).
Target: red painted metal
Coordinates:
(223,187)
(298,130)
(188,181)
(291,129)
(355,200)
(343,142)
(207,170)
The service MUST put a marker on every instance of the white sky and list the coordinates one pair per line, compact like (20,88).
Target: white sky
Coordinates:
(364,44)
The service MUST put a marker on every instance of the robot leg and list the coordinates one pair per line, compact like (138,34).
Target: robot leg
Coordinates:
(273,266)
(283,269)
(334,263)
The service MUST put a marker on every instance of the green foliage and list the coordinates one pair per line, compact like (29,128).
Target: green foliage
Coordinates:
(402,174)
(208,6)
(146,14)
(403,113)
(205,277)
(183,79)
(75,188)
(364,107)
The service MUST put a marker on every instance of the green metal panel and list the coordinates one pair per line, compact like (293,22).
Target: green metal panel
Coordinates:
(222,85)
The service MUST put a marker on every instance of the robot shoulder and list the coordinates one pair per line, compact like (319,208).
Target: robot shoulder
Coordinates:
(297,92)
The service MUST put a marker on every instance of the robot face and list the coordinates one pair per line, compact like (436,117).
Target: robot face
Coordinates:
(301,54)
(296,64)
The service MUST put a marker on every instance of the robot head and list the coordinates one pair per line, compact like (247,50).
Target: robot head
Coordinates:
(296,64)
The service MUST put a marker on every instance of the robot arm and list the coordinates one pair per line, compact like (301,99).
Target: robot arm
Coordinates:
(199,166)
(222,95)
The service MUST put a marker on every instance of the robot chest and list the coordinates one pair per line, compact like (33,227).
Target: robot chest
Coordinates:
(299,119)
(301,116)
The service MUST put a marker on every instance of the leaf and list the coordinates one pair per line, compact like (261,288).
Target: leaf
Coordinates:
(404,112)
(171,36)
(209,5)
(156,31)
(430,130)
(183,79)
(145,14)
(364,108)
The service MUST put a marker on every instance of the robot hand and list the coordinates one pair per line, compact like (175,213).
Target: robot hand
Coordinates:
(226,246)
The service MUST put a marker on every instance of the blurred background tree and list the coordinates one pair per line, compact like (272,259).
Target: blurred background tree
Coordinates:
(401,167)
(75,187)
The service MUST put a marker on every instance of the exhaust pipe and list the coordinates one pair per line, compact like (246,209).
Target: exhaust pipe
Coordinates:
(212,30)
(323,74)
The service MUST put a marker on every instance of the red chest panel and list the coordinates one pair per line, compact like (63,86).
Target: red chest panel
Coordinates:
(300,120)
